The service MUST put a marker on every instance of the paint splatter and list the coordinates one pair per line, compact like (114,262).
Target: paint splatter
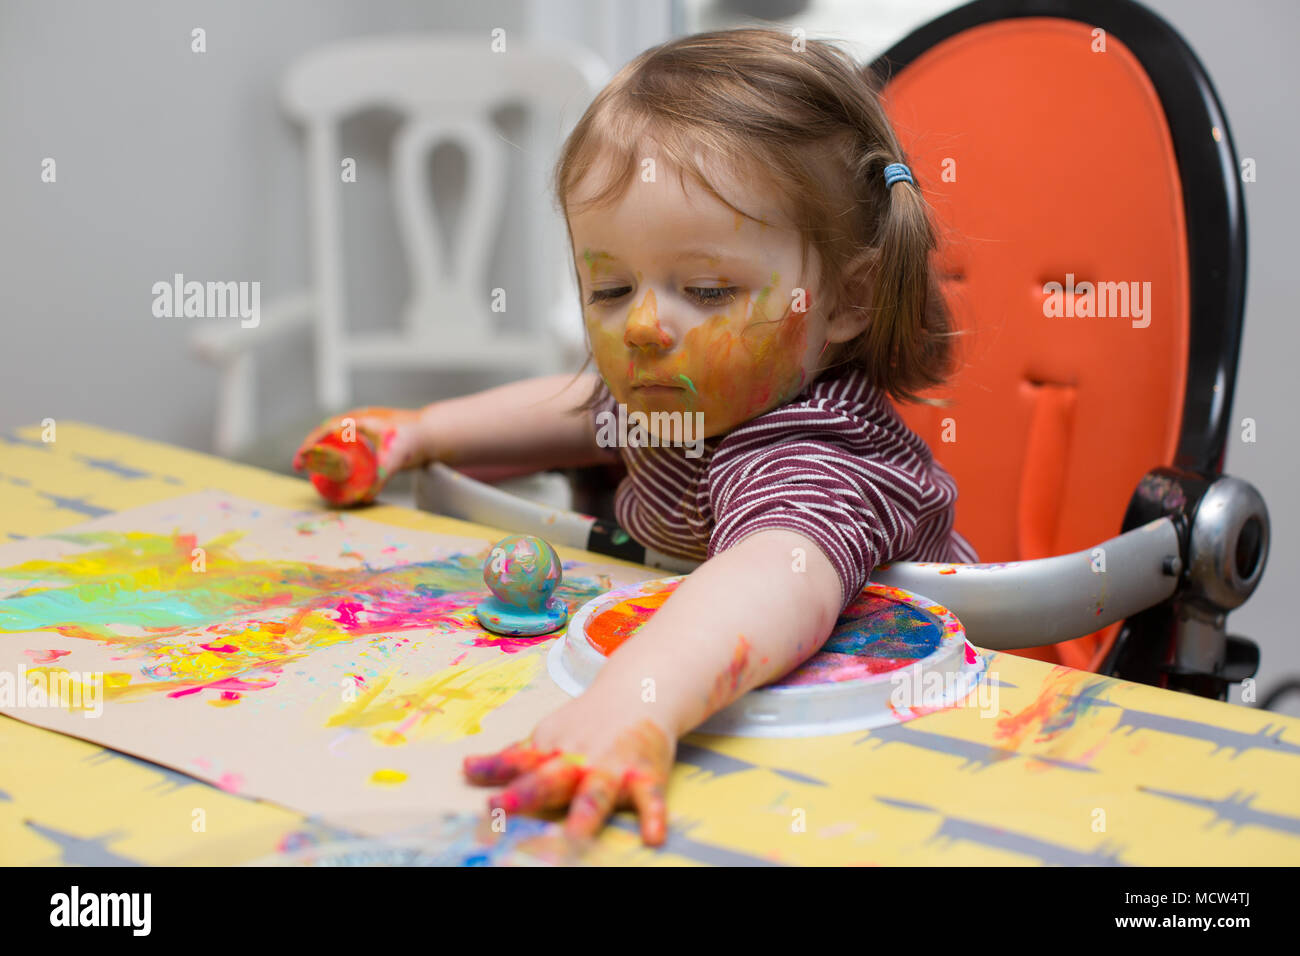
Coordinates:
(1066,696)
(447,705)
(743,359)
(235,627)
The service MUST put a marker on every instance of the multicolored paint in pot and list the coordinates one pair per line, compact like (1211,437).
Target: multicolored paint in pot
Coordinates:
(522,571)
(894,655)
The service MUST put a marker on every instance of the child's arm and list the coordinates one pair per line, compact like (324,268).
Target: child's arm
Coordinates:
(526,424)
(740,620)
(520,423)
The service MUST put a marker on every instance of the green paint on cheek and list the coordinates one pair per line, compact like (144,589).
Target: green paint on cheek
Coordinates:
(764,292)
(689,384)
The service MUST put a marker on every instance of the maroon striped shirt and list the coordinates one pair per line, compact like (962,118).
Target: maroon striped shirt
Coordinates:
(836,464)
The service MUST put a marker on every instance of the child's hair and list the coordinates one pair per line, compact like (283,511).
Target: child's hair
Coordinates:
(810,124)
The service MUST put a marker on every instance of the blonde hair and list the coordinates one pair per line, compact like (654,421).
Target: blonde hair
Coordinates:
(810,125)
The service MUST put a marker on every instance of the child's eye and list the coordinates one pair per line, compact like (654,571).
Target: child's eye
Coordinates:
(704,295)
(607,295)
(712,296)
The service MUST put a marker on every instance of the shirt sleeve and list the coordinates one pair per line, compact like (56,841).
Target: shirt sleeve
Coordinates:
(855,509)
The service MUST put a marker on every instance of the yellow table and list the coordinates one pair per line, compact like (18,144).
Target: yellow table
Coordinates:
(1072,768)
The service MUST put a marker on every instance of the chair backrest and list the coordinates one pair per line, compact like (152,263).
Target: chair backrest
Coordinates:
(445,88)
(1078,144)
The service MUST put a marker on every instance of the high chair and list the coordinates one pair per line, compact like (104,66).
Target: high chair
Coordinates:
(1066,146)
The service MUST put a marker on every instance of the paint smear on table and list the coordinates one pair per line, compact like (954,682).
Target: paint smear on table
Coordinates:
(1065,697)
(874,635)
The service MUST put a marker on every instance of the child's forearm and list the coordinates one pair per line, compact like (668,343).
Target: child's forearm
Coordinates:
(521,423)
(740,620)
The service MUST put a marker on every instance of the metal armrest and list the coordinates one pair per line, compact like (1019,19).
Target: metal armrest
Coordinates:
(1028,603)
(1195,545)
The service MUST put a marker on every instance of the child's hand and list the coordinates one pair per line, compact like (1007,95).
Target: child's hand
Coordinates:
(350,465)
(593,767)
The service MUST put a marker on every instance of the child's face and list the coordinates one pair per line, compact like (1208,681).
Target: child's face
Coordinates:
(681,291)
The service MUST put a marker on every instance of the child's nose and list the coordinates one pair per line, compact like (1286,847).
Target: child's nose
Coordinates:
(643,328)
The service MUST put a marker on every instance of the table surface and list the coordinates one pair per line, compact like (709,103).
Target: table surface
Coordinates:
(1068,767)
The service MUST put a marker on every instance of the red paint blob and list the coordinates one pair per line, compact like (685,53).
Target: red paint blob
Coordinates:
(363,470)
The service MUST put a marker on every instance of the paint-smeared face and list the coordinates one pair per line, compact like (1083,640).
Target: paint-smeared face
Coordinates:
(691,307)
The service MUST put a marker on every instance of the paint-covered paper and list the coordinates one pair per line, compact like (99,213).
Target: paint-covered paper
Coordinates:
(317,659)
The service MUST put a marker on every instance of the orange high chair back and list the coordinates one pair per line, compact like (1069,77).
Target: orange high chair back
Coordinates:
(1086,192)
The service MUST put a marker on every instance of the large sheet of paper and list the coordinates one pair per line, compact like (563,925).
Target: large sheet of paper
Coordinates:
(317,659)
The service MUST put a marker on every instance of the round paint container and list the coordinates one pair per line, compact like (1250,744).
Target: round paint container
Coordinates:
(894,655)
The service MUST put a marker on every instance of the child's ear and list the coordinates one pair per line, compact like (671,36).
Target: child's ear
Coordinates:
(852,312)
(847,324)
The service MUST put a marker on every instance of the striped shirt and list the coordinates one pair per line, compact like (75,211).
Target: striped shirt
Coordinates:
(836,464)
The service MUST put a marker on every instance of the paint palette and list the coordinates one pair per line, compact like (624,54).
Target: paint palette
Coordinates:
(893,655)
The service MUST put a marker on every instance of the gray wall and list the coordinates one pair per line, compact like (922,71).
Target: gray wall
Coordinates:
(172,162)
(1247,49)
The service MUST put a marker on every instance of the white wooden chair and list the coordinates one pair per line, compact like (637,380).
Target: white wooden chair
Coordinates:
(445,88)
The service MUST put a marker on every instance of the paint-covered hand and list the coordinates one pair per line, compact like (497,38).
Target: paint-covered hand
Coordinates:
(351,456)
(617,767)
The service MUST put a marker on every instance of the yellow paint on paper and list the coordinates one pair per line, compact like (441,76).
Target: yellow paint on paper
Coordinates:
(448,705)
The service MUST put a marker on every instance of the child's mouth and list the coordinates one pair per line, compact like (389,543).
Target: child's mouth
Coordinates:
(657,389)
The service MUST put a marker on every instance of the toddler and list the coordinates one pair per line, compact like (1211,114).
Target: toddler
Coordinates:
(753,255)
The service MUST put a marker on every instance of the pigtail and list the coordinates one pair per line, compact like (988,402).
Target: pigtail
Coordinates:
(906,346)
(906,343)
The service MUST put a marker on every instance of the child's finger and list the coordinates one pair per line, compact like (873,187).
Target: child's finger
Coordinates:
(505,765)
(549,787)
(647,793)
(592,803)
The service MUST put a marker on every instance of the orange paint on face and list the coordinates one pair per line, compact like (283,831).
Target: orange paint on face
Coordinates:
(735,364)
(643,328)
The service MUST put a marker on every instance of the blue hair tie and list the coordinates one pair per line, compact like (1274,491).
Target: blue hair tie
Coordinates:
(897,171)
